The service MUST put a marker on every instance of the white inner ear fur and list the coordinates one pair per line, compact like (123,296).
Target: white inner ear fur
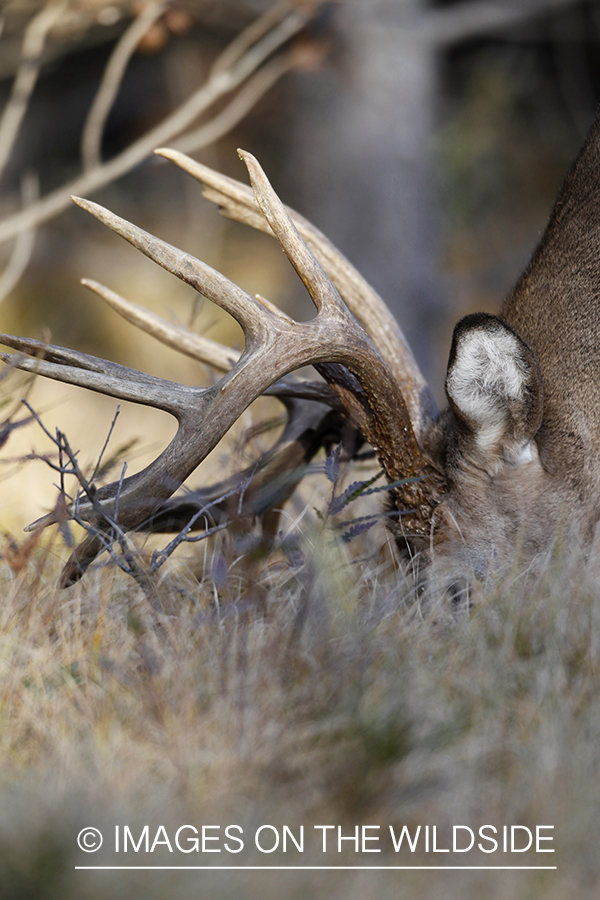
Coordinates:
(488,371)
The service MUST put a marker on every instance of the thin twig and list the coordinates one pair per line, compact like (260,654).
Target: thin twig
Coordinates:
(106,528)
(119,491)
(23,248)
(255,88)
(91,140)
(108,437)
(217,86)
(160,556)
(32,49)
(251,35)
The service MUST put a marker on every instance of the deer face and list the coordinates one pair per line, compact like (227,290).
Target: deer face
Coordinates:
(496,492)
(488,450)
(513,459)
(521,450)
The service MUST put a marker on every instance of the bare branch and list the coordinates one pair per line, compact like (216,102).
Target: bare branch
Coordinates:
(201,100)
(106,531)
(160,556)
(97,467)
(91,141)
(31,53)
(255,88)
(24,243)
(252,34)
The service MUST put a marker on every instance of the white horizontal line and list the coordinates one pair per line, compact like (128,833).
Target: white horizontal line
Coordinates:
(313,868)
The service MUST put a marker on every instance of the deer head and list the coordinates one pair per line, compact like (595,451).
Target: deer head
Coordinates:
(513,459)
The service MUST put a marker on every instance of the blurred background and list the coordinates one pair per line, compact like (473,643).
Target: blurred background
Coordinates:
(427,140)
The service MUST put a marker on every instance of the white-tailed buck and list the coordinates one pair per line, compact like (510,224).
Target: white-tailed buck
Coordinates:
(513,460)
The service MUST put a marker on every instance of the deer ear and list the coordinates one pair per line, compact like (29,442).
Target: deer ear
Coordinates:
(495,390)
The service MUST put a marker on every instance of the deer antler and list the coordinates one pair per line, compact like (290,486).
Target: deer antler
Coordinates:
(237,201)
(364,376)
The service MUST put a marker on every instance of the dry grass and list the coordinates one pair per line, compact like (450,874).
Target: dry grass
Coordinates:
(305,691)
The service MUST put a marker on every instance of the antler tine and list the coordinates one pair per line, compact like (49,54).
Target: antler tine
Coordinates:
(56,354)
(204,349)
(316,282)
(74,367)
(275,345)
(237,201)
(389,428)
(245,309)
(96,374)
(194,345)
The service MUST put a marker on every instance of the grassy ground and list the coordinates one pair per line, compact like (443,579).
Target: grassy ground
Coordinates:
(296,691)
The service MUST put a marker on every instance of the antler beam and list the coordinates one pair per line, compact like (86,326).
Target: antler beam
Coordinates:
(275,345)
